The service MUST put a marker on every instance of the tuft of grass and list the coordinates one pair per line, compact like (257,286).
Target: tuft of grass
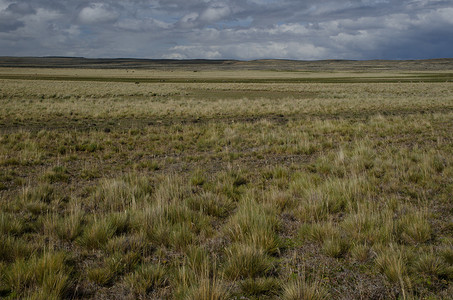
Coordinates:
(36,200)
(208,289)
(429,264)
(318,231)
(333,196)
(198,178)
(132,242)
(414,228)
(128,192)
(90,173)
(447,254)
(370,224)
(198,278)
(256,225)
(43,193)
(284,201)
(10,225)
(244,260)
(12,248)
(392,262)
(102,276)
(301,288)
(70,227)
(360,252)
(120,222)
(49,275)
(96,234)
(170,222)
(146,278)
(56,174)
(199,261)
(181,236)
(264,286)
(113,266)
(211,204)
(335,246)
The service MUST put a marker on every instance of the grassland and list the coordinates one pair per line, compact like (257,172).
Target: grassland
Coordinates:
(225,184)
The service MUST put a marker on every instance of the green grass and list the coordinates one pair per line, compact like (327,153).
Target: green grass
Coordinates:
(264,184)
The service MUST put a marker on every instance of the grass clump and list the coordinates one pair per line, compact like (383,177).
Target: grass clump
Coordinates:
(173,226)
(392,262)
(335,246)
(211,204)
(169,221)
(198,277)
(244,260)
(429,264)
(265,286)
(132,242)
(102,276)
(255,224)
(447,254)
(46,276)
(56,174)
(318,231)
(70,227)
(360,252)
(208,289)
(43,193)
(334,242)
(10,225)
(96,234)
(303,288)
(414,228)
(113,266)
(146,278)
(128,192)
(13,248)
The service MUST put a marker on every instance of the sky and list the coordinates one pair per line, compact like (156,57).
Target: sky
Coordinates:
(229,29)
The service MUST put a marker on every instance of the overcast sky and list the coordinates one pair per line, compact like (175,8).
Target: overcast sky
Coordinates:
(238,29)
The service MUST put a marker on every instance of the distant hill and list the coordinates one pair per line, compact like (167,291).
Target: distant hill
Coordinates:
(203,64)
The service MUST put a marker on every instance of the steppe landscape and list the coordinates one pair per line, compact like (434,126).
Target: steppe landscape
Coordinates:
(271,179)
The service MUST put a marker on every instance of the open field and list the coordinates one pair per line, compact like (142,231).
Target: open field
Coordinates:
(231,184)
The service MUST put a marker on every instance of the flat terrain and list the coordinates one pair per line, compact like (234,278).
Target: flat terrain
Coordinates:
(226,179)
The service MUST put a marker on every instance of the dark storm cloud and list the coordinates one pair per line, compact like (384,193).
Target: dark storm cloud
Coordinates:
(353,29)
(9,23)
(11,13)
(20,8)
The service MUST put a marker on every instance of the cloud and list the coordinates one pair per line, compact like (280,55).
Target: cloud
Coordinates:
(21,8)
(9,23)
(97,13)
(11,14)
(215,13)
(242,29)
(249,50)
(141,25)
(210,14)
(189,20)
(184,52)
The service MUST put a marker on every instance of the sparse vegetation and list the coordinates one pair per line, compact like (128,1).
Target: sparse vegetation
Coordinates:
(225,185)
